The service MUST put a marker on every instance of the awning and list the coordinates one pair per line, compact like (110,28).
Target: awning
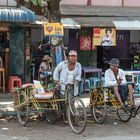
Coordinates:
(123,18)
(70,23)
(79,22)
(17,15)
(127,25)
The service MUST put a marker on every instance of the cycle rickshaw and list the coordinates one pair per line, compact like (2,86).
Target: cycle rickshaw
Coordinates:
(101,99)
(28,102)
(99,104)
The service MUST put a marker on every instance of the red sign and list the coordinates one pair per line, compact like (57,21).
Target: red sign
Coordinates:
(85,43)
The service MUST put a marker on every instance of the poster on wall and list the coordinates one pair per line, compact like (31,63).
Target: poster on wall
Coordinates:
(104,37)
(85,43)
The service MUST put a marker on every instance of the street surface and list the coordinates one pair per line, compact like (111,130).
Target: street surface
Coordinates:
(112,129)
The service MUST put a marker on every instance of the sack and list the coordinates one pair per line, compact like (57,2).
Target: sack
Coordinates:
(123,90)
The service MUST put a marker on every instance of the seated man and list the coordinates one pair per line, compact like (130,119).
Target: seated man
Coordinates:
(114,76)
(43,69)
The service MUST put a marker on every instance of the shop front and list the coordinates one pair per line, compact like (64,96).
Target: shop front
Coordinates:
(94,48)
(15,26)
(126,40)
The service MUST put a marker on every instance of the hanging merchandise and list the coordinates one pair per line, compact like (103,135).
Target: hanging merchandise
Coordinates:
(85,43)
(104,37)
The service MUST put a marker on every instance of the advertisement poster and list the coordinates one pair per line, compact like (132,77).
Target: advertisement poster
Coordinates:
(53,29)
(85,43)
(104,37)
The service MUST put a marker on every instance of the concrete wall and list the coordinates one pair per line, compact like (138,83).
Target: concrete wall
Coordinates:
(100,2)
(73,2)
(135,36)
(132,3)
(106,2)
(7,3)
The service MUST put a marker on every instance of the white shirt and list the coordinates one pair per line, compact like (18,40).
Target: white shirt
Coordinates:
(60,74)
(70,78)
(110,79)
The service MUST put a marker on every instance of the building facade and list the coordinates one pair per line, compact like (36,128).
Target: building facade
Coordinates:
(15,28)
(122,15)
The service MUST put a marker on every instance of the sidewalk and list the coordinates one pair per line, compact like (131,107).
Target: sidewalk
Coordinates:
(6,105)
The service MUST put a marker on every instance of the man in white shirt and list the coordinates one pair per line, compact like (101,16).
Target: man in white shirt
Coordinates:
(68,72)
(114,77)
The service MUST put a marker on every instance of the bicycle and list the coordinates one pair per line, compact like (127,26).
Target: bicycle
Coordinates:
(75,110)
(99,105)
(26,105)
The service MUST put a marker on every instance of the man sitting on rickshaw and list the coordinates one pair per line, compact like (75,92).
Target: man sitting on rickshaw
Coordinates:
(115,78)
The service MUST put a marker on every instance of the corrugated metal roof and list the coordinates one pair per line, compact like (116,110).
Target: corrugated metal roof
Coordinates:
(17,15)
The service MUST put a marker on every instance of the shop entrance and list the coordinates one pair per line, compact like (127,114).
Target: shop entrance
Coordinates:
(103,55)
(4,52)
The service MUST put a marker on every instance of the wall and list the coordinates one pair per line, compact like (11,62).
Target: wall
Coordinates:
(106,2)
(131,2)
(135,36)
(16,45)
(73,2)
(102,2)
(7,3)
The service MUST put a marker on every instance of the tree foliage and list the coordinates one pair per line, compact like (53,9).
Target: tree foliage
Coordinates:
(49,8)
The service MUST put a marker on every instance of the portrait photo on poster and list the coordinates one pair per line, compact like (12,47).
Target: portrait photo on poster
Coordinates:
(104,36)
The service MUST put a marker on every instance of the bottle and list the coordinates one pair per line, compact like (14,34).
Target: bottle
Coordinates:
(105,95)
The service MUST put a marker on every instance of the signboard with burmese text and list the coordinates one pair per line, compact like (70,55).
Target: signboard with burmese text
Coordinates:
(53,29)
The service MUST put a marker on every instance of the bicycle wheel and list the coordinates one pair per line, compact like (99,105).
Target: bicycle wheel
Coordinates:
(51,116)
(135,111)
(23,111)
(77,115)
(99,110)
(124,114)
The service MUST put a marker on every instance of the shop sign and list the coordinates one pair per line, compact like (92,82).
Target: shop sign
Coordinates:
(104,37)
(53,29)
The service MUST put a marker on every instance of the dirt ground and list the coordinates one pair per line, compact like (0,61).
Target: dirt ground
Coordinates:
(41,130)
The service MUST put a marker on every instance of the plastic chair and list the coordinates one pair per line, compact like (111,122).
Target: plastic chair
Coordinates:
(14,81)
(93,81)
(87,86)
